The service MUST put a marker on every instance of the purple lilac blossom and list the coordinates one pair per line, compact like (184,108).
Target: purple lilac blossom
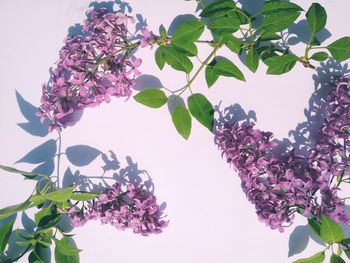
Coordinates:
(279,186)
(92,68)
(135,208)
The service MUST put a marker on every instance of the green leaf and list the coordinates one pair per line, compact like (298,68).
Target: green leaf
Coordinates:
(47,217)
(188,48)
(84,196)
(238,16)
(278,21)
(346,241)
(252,60)
(24,243)
(281,64)
(210,76)
(223,25)
(159,57)
(153,98)
(34,258)
(340,49)
(269,36)
(330,231)
(162,31)
(188,32)
(315,226)
(316,18)
(233,43)
(224,67)
(336,259)
(5,232)
(218,8)
(275,6)
(13,209)
(25,174)
(177,60)
(182,121)
(317,258)
(315,42)
(201,108)
(60,195)
(319,56)
(66,248)
(61,258)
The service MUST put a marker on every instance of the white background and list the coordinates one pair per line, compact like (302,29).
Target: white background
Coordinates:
(210,218)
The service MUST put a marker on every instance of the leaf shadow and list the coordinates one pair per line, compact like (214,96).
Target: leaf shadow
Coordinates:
(33,126)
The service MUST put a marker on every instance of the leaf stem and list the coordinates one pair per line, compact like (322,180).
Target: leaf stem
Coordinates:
(205,62)
(59,159)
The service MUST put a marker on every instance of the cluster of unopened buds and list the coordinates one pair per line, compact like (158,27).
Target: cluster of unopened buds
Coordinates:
(279,186)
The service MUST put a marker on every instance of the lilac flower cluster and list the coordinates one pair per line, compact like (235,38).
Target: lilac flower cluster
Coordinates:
(279,186)
(135,208)
(91,68)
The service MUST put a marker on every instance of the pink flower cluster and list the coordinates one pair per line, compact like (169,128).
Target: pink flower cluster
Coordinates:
(135,208)
(279,186)
(91,68)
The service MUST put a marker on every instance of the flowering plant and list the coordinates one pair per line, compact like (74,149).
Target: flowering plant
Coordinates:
(100,63)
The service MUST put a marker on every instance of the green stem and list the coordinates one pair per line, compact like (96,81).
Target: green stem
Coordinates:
(206,61)
(59,159)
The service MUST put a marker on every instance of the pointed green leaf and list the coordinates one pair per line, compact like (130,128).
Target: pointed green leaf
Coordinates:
(61,258)
(223,25)
(189,31)
(224,67)
(319,56)
(340,49)
(188,48)
(315,226)
(25,174)
(153,98)
(336,259)
(210,76)
(60,195)
(66,248)
(162,31)
(239,16)
(84,196)
(177,60)
(278,21)
(252,60)
(317,258)
(159,57)
(218,8)
(281,64)
(233,43)
(5,232)
(316,18)
(330,231)
(201,108)
(34,258)
(13,209)
(275,6)
(182,121)
(47,217)
(269,36)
